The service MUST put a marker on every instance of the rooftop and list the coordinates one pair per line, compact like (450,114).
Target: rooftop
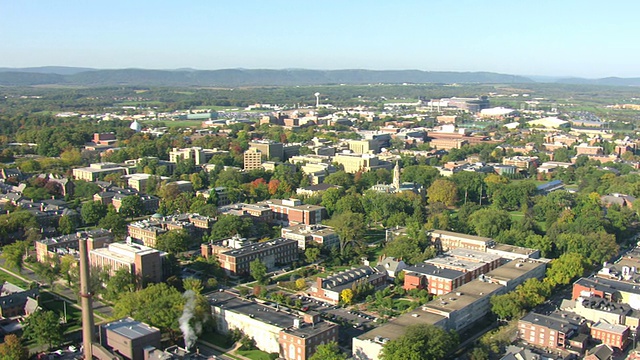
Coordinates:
(556,321)
(258,247)
(612,328)
(469,293)
(431,270)
(514,269)
(474,255)
(445,233)
(130,328)
(263,313)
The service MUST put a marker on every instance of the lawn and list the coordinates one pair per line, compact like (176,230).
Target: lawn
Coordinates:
(12,279)
(179,123)
(217,339)
(74,315)
(255,354)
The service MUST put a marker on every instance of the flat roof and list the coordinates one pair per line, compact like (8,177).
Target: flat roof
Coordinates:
(609,285)
(130,328)
(460,235)
(514,269)
(434,271)
(266,314)
(513,249)
(474,255)
(447,260)
(258,247)
(614,328)
(469,294)
(555,321)
(397,327)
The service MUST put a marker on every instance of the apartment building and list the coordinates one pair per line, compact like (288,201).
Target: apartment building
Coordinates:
(252,159)
(142,261)
(258,212)
(615,336)
(521,162)
(435,280)
(551,331)
(269,149)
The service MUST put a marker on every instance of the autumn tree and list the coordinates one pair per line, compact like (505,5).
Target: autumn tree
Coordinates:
(346,296)
(443,191)
(12,349)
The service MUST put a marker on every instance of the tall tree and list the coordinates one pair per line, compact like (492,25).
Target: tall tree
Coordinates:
(350,228)
(131,206)
(173,241)
(421,342)
(443,191)
(44,328)
(13,254)
(489,222)
(328,351)
(258,271)
(92,212)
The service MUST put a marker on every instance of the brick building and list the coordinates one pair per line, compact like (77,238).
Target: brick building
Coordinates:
(68,244)
(142,261)
(446,240)
(289,212)
(615,336)
(551,331)
(235,254)
(329,289)
(129,338)
(435,280)
(319,234)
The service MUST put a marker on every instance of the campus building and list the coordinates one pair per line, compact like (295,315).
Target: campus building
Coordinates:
(68,244)
(98,171)
(128,338)
(319,234)
(236,253)
(289,212)
(142,261)
(446,240)
(274,329)
(329,289)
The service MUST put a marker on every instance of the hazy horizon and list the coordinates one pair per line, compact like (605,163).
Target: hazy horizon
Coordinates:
(547,38)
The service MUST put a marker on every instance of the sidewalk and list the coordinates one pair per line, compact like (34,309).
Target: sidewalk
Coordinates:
(232,352)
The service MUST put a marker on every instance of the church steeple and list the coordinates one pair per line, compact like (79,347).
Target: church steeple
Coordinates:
(396,176)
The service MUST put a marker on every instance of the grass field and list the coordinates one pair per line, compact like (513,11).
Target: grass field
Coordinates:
(217,339)
(12,279)
(74,315)
(255,354)
(180,123)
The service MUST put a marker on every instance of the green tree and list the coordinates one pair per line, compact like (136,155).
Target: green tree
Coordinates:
(131,206)
(565,268)
(311,254)
(67,224)
(230,225)
(328,351)
(489,222)
(258,271)
(350,228)
(44,328)
(122,281)
(13,254)
(421,342)
(12,349)
(158,305)
(115,222)
(173,241)
(93,211)
(443,191)
(192,284)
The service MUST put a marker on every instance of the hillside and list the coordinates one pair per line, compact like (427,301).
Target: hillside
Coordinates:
(240,77)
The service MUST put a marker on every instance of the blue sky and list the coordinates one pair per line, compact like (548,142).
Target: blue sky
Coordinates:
(556,38)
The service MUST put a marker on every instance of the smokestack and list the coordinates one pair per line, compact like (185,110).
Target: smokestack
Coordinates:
(87,306)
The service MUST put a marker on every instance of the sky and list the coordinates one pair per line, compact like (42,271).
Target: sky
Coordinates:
(581,38)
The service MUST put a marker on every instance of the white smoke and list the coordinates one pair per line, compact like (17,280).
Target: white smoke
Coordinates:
(189,331)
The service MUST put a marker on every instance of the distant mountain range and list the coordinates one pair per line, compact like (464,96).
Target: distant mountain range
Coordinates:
(72,76)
